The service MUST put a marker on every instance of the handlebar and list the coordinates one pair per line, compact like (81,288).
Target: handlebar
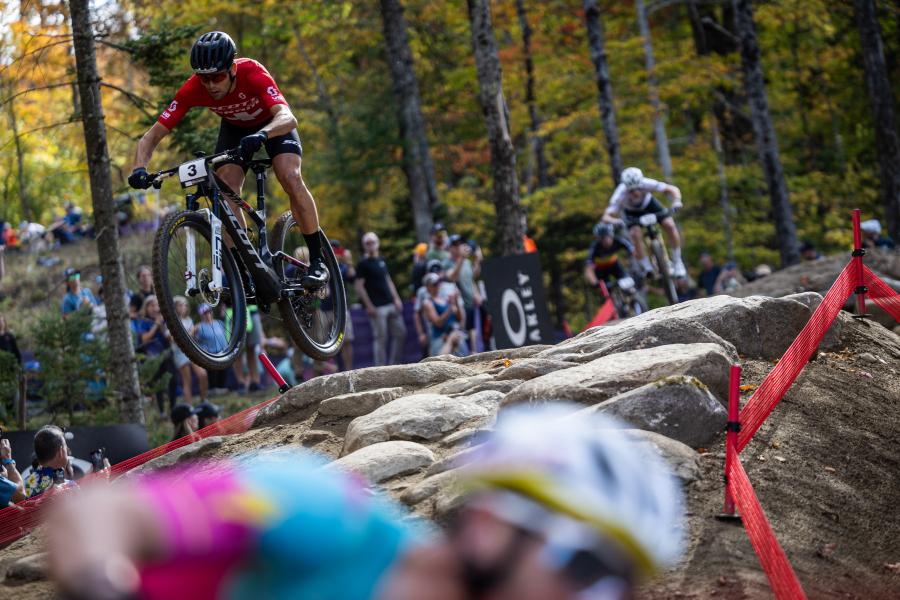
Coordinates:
(157,178)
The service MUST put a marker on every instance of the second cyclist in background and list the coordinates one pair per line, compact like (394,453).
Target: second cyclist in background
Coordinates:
(632,198)
(603,255)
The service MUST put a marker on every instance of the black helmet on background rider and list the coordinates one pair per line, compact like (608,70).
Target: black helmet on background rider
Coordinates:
(602,230)
(212,52)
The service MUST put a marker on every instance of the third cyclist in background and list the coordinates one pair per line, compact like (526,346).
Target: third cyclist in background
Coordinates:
(632,198)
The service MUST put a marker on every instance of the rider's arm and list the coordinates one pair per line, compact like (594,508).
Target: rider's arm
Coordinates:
(589,274)
(148,144)
(283,121)
(673,192)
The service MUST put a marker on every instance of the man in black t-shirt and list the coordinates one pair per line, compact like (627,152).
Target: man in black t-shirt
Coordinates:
(377,293)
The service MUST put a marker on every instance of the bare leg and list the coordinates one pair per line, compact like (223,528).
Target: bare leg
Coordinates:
(185,372)
(671,232)
(202,379)
(303,207)
(637,239)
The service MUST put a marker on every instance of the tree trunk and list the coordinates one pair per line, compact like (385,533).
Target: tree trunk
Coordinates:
(755,88)
(508,213)
(723,187)
(596,44)
(659,118)
(536,157)
(881,98)
(416,155)
(20,162)
(122,372)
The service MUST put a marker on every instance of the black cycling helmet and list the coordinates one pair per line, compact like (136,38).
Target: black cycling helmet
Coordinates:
(603,229)
(213,52)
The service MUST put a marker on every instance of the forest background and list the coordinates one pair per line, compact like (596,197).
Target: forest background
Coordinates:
(329,59)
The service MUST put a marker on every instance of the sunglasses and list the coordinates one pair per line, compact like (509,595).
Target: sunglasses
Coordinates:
(213,77)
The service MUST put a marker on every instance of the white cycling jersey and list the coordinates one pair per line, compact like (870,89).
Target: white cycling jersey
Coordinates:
(622,200)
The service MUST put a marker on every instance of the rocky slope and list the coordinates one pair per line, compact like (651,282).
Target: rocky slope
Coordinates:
(825,465)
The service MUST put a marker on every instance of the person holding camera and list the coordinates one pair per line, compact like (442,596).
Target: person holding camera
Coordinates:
(465,271)
(52,455)
(12,488)
(445,315)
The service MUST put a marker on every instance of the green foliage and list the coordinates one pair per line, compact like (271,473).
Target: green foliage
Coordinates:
(72,362)
(147,368)
(10,374)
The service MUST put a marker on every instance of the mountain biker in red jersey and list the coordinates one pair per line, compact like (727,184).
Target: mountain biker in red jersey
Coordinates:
(254,114)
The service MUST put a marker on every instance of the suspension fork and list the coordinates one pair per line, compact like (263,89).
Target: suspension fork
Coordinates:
(190,275)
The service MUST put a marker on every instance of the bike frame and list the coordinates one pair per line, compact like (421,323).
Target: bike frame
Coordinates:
(258,261)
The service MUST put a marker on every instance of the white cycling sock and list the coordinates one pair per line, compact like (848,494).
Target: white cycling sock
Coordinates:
(676,255)
(645,263)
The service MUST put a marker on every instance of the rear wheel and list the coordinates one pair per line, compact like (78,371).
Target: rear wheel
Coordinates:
(210,343)
(665,271)
(315,319)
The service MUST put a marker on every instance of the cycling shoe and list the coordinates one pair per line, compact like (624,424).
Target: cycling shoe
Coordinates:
(317,276)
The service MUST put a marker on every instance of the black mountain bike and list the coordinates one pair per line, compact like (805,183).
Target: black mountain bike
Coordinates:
(195,275)
(658,255)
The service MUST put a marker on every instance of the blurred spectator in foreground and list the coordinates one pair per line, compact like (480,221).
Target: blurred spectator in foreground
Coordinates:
(709,273)
(730,278)
(76,296)
(552,511)
(207,414)
(52,455)
(8,340)
(872,237)
(184,418)
(808,252)
(685,289)
(437,249)
(12,488)
(348,274)
(377,292)
(183,364)
(464,272)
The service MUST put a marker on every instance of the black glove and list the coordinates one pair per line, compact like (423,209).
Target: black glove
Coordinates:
(139,179)
(251,143)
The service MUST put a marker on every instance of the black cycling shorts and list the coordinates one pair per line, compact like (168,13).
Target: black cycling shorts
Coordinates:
(631,216)
(616,269)
(230,137)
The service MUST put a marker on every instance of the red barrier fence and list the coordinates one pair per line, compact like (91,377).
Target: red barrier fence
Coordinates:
(16,521)
(855,278)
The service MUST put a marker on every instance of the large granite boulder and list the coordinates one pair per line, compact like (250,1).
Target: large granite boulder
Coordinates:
(385,460)
(678,407)
(420,417)
(611,375)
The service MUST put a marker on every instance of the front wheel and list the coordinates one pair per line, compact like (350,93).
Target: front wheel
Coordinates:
(208,325)
(315,319)
(665,271)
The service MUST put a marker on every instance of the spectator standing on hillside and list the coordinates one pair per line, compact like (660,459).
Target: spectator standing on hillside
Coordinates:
(709,273)
(437,249)
(76,296)
(183,364)
(8,340)
(145,283)
(464,272)
(210,336)
(444,314)
(154,340)
(377,292)
(730,279)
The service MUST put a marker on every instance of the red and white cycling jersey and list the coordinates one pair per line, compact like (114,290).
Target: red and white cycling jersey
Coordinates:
(248,105)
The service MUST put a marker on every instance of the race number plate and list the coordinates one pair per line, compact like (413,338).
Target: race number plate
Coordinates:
(192,172)
(648,219)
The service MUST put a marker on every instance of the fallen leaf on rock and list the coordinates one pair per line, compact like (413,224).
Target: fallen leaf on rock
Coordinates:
(748,387)
(775,444)
(826,550)
(506,362)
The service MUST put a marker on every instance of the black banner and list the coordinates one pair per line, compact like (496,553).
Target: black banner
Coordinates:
(516,300)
